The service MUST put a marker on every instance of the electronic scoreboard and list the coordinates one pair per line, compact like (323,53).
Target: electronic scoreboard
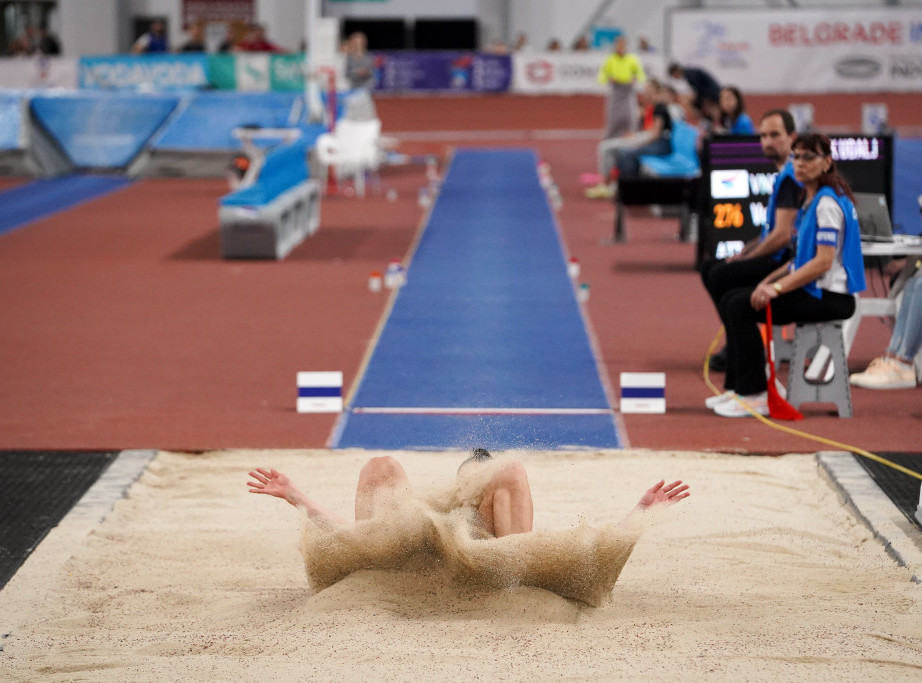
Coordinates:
(737,179)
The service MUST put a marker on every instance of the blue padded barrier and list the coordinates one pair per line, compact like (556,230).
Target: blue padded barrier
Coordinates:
(277,212)
(283,168)
(683,161)
(104,130)
(206,121)
(10,120)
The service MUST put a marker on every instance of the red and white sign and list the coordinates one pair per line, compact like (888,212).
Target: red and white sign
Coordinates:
(875,49)
(557,72)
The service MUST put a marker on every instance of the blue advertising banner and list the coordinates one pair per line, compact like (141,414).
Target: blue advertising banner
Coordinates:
(457,71)
(144,72)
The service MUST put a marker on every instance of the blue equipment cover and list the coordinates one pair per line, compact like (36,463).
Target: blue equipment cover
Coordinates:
(10,120)
(206,121)
(102,130)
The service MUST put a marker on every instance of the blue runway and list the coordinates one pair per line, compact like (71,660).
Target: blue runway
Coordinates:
(485,345)
(28,203)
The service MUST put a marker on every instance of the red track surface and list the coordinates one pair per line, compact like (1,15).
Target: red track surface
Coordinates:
(123,327)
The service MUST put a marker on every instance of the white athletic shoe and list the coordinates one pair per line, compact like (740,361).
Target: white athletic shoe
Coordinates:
(712,401)
(758,403)
(885,373)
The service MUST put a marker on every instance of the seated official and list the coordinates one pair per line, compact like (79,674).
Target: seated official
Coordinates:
(763,255)
(648,98)
(627,161)
(819,284)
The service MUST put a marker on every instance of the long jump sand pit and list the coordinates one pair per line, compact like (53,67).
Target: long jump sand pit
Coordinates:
(761,574)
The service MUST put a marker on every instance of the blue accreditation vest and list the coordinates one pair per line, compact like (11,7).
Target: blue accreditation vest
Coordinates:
(852,259)
(787,171)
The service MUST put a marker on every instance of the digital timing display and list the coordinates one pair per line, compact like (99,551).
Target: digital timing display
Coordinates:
(738,180)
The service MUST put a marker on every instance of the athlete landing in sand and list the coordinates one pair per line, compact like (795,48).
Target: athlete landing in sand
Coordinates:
(505,507)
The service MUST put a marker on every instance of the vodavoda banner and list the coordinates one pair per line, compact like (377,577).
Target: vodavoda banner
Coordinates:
(875,49)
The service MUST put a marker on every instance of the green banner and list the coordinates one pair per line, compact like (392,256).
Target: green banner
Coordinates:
(256,72)
(286,72)
(222,72)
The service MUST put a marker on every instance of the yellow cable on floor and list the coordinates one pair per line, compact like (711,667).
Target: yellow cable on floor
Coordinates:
(797,432)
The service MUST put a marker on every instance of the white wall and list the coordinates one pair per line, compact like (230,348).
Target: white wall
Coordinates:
(89,27)
(101,26)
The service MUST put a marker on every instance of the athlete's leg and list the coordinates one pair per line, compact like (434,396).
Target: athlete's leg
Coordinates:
(377,476)
(506,507)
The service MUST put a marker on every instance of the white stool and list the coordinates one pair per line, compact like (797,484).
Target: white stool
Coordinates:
(825,379)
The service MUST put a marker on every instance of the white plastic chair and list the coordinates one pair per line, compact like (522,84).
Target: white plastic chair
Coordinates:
(352,149)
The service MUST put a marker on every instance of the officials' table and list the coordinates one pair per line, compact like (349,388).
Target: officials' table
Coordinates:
(902,246)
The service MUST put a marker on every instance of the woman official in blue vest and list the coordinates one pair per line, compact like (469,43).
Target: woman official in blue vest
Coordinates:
(818,284)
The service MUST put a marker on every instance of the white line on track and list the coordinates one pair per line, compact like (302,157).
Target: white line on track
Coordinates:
(481,411)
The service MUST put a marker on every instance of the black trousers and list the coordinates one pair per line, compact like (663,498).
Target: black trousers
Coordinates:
(719,277)
(745,351)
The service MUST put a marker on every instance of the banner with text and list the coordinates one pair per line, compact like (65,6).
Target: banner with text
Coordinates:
(875,49)
(440,71)
(558,72)
(153,73)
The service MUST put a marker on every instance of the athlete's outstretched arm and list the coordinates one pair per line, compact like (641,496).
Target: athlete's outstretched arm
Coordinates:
(662,493)
(274,483)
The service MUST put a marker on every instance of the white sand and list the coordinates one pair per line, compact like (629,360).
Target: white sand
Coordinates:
(761,574)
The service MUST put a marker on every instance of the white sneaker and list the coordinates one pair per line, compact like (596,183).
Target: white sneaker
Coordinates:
(885,373)
(712,401)
(758,403)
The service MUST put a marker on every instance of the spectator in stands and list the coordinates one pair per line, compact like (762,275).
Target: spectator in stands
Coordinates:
(732,117)
(497,46)
(553,45)
(705,89)
(764,254)
(152,41)
(896,369)
(644,46)
(817,285)
(237,32)
(671,98)
(627,161)
(360,66)
(256,41)
(581,44)
(521,43)
(24,44)
(196,41)
(620,71)
(648,99)
(48,43)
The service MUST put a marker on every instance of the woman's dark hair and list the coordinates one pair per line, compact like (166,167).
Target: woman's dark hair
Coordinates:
(820,144)
(740,105)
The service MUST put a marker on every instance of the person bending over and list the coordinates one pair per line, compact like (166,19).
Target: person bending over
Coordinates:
(505,503)
(819,284)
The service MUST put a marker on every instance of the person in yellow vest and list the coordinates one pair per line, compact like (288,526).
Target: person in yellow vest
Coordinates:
(620,71)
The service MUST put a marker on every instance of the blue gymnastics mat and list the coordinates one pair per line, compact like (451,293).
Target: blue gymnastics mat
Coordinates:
(485,345)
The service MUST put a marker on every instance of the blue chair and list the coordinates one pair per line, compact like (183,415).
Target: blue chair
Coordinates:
(682,162)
